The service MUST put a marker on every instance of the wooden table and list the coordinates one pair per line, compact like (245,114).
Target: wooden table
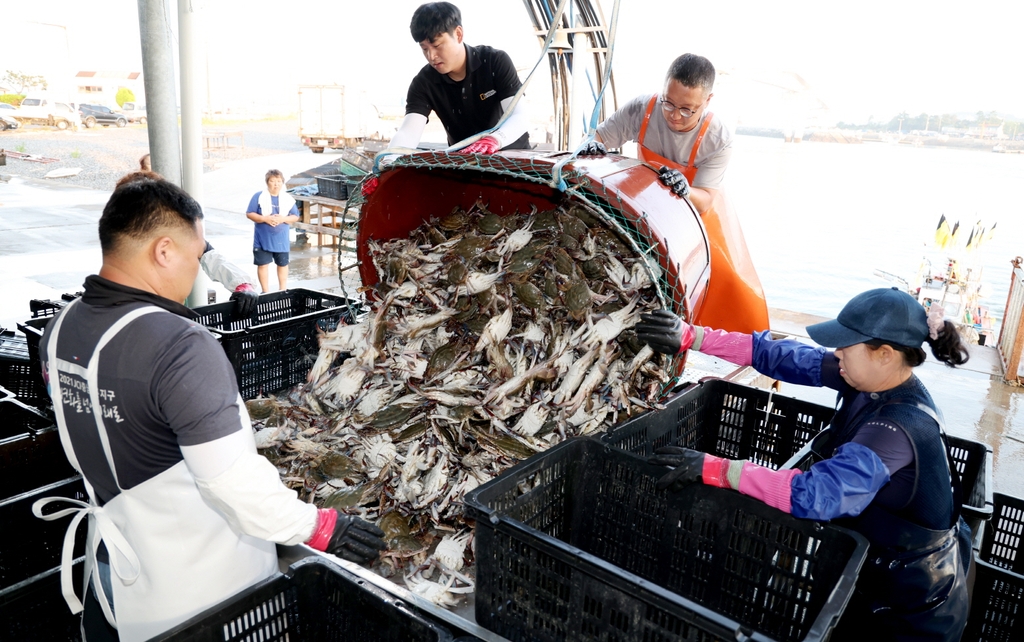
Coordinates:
(221,139)
(324,217)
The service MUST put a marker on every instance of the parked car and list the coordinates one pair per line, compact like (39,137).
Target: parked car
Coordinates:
(8,122)
(6,107)
(136,112)
(40,110)
(98,114)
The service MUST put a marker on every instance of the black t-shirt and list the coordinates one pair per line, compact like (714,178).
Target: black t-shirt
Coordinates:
(164,383)
(473,104)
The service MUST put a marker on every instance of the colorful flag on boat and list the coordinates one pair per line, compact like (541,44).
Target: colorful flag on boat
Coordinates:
(942,234)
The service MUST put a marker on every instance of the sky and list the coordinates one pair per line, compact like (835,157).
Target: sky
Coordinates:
(871,58)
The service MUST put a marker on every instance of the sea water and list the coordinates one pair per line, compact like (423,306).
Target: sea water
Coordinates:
(820,218)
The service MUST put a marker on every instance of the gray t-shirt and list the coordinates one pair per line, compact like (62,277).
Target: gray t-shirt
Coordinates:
(164,383)
(712,156)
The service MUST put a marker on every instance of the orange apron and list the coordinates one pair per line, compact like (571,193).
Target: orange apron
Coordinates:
(735,300)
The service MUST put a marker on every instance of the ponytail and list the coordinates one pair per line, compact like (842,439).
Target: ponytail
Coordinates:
(949,346)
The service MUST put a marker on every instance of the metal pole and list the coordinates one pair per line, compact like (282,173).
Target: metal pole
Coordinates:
(191,110)
(189,27)
(580,50)
(161,101)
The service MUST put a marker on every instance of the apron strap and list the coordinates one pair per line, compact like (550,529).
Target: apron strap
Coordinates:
(655,160)
(92,378)
(52,364)
(123,559)
(696,144)
(647,120)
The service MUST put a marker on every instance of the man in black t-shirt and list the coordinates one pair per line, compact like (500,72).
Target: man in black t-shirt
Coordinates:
(469,88)
(149,413)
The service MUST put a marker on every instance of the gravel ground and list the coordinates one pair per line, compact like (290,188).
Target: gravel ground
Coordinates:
(105,154)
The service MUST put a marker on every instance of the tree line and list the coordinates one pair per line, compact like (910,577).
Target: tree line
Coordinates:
(904,122)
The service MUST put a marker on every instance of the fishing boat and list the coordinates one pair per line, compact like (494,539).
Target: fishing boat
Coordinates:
(950,275)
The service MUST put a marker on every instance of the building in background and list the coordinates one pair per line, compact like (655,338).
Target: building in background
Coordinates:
(101,87)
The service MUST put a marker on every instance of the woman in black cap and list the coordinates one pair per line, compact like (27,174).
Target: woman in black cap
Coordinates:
(885,472)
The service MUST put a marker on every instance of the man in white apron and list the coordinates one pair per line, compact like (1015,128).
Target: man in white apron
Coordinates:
(183,512)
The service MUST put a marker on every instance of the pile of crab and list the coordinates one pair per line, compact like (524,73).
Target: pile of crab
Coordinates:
(489,339)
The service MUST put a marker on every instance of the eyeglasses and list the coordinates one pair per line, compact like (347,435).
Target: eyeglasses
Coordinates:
(670,109)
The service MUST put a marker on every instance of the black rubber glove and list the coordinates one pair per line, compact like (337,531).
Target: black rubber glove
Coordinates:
(687,466)
(356,540)
(246,298)
(593,148)
(664,332)
(675,180)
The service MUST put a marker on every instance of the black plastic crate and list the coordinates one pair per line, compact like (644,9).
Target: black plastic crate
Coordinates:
(576,543)
(29,545)
(45,308)
(36,610)
(973,460)
(33,331)
(997,605)
(335,186)
(315,600)
(16,372)
(1003,541)
(31,461)
(275,348)
(18,419)
(18,377)
(12,346)
(726,419)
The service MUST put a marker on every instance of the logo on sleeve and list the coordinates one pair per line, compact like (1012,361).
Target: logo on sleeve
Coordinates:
(488,94)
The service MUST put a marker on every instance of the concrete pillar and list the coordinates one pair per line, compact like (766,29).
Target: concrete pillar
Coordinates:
(189,57)
(161,101)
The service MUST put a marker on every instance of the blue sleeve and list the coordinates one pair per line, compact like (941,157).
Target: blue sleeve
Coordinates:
(254,203)
(841,486)
(788,360)
(294,211)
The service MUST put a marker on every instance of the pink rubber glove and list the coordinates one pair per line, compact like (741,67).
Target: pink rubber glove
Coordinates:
(486,145)
(734,347)
(773,487)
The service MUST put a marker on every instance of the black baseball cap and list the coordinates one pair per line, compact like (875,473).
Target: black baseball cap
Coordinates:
(887,314)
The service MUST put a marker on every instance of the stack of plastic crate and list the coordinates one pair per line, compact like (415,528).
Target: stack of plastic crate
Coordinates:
(997,605)
(577,543)
(314,601)
(32,466)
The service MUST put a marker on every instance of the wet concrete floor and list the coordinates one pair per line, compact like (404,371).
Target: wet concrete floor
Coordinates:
(48,245)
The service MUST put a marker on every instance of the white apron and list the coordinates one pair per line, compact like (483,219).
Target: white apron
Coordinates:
(171,555)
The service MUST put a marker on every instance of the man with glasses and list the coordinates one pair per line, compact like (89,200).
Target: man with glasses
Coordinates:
(686,143)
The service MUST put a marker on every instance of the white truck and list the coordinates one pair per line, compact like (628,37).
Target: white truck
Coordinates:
(41,110)
(332,118)
(136,112)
